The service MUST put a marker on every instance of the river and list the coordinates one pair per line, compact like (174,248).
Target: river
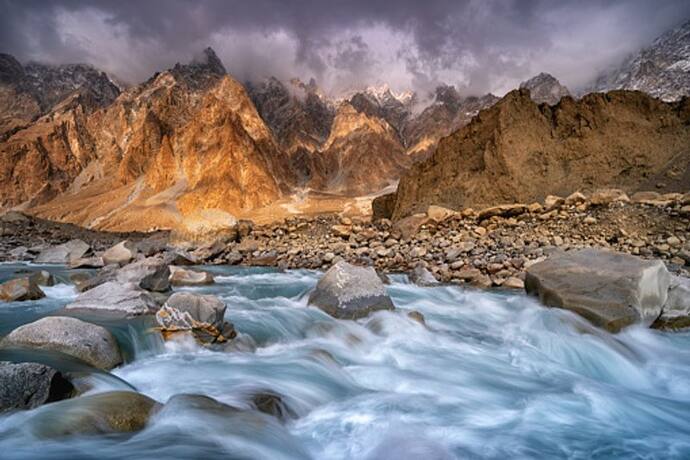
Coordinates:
(491,375)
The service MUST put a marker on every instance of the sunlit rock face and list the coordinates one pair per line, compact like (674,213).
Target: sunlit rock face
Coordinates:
(519,151)
(188,138)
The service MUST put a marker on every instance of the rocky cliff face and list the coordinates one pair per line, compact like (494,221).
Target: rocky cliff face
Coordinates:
(27,92)
(544,88)
(662,70)
(187,139)
(519,151)
(362,154)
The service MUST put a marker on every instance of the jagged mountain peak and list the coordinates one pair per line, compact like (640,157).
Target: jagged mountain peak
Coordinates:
(11,69)
(545,88)
(661,70)
(201,72)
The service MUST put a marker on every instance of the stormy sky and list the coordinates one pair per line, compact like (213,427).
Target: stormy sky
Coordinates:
(477,45)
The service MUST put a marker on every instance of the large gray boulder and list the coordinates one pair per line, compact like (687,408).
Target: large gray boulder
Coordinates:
(122,253)
(612,290)
(102,413)
(20,289)
(675,313)
(151,274)
(92,344)
(201,315)
(115,299)
(63,253)
(349,292)
(29,385)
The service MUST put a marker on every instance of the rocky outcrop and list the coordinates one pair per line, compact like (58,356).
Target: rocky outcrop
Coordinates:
(91,343)
(611,290)
(519,152)
(350,292)
(29,385)
(661,70)
(545,89)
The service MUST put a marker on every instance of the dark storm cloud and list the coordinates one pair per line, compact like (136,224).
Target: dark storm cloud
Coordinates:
(480,45)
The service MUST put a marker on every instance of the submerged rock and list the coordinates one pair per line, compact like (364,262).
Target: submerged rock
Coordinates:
(422,277)
(102,413)
(349,292)
(201,315)
(63,253)
(20,289)
(185,277)
(29,385)
(91,343)
(273,404)
(612,290)
(113,298)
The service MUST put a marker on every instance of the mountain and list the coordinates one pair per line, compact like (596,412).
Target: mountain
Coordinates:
(661,70)
(449,112)
(380,102)
(188,138)
(27,92)
(521,151)
(544,88)
(299,117)
(362,155)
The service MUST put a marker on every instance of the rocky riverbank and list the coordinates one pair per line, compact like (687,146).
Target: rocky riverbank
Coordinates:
(484,248)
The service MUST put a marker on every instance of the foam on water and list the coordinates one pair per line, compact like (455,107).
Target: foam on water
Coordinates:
(490,376)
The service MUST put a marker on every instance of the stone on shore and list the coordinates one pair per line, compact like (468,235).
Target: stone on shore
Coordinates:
(201,315)
(504,210)
(87,262)
(612,290)
(63,253)
(206,226)
(439,213)
(91,343)
(121,254)
(409,226)
(20,289)
(28,385)
(115,299)
(103,413)
(347,291)
(422,277)
(185,277)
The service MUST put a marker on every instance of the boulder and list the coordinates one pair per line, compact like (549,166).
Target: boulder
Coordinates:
(42,278)
(504,210)
(29,385)
(346,291)
(409,226)
(675,313)
(612,290)
(201,315)
(20,289)
(97,414)
(422,277)
(85,282)
(575,198)
(151,274)
(121,254)
(87,262)
(608,196)
(63,253)
(273,404)
(553,201)
(439,213)
(206,226)
(92,344)
(382,206)
(641,197)
(184,277)
(115,299)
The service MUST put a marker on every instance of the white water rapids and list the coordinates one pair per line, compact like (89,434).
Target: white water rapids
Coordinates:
(492,375)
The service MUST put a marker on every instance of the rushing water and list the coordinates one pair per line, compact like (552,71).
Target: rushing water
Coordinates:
(492,375)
